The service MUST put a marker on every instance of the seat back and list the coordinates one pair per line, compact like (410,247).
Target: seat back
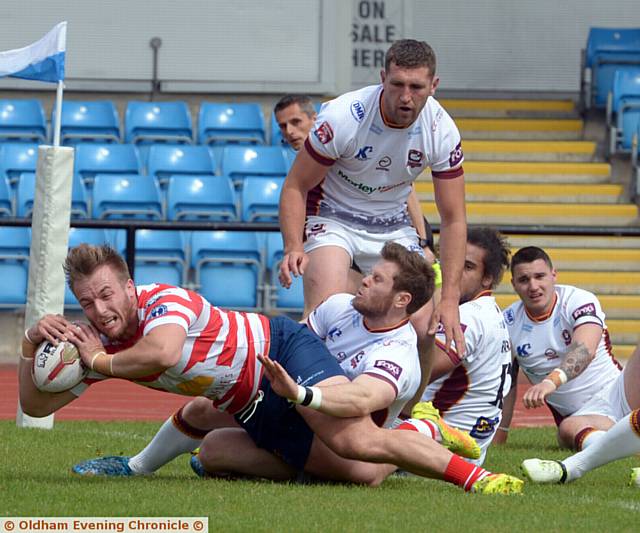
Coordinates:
(150,122)
(289,300)
(231,123)
(101,158)
(6,198)
(165,160)
(16,158)
(22,120)
(261,198)
(201,198)
(239,162)
(625,104)
(129,196)
(14,265)
(88,122)
(228,268)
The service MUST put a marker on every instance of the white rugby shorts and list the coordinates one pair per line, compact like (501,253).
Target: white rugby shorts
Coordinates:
(610,402)
(363,247)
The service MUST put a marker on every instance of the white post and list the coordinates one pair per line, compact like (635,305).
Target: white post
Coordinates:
(58,115)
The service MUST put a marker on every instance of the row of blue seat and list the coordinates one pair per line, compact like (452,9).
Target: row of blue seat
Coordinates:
(623,109)
(231,269)
(237,162)
(144,122)
(140,197)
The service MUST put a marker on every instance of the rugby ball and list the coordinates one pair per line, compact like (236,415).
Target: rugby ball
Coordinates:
(57,368)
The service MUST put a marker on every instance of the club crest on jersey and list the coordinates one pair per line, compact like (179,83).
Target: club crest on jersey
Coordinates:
(324,133)
(509,316)
(391,368)
(357,110)
(584,310)
(455,156)
(158,311)
(550,354)
(414,158)
(484,427)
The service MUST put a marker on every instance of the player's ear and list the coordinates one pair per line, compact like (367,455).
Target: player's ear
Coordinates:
(383,75)
(434,85)
(402,299)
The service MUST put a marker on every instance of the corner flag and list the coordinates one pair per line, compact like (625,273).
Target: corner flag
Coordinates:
(42,60)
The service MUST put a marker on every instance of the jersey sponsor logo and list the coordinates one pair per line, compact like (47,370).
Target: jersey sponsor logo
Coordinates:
(524,350)
(367,189)
(324,133)
(455,156)
(484,427)
(341,356)
(384,163)
(315,229)
(334,333)
(158,311)
(358,110)
(509,316)
(566,337)
(414,158)
(506,347)
(362,153)
(436,120)
(356,359)
(153,300)
(374,128)
(550,354)
(417,130)
(391,368)
(584,310)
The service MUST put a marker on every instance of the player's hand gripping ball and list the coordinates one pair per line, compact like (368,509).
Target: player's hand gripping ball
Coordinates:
(57,368)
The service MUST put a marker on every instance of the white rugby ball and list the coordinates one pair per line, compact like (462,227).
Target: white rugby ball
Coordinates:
(57,368)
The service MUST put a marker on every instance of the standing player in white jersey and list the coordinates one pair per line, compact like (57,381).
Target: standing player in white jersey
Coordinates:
(468,391)
(347,191)
(172,339)
(562,345)
(622,401)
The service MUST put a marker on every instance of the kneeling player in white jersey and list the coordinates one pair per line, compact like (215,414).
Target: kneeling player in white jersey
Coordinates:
(622,440)
(562,345)
(468,391)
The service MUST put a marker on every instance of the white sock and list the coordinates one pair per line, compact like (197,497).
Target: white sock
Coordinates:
(166,445)
(426,427)
(622,440)
(591,438)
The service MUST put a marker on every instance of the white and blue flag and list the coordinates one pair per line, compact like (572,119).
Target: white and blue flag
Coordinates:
(42,60)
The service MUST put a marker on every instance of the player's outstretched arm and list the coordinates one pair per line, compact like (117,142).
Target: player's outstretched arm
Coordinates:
(359,397)
(34,402)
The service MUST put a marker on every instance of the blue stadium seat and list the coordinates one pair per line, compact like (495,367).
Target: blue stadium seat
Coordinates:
(14,265)
(289,155)
(160,256)
(127,196)
(289,300)
(22,120)
(201,198)
(239,162)
(607,50)
(228,268)
(88,122)
(152,122)
(6,199)
(167,160)
(623,109)
(77,236)
(231,123)
(16,158)
(260,199)
(100,158)
(25,195)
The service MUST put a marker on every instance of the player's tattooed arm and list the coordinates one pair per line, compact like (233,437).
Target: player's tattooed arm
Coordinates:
(576,360)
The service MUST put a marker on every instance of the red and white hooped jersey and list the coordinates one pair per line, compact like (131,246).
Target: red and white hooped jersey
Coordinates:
(219,355)
(372,164)
(388,354)
(540,344)
(470,397)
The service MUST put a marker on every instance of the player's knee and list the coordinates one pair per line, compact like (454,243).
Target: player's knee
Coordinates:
(566,434)
(198,412)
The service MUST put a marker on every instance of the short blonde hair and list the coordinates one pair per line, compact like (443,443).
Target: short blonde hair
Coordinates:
(83,260)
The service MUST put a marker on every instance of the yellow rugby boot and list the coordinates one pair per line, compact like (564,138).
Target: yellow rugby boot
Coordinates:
(498,484)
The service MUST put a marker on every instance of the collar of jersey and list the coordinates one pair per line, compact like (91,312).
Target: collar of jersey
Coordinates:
(384,330)
(486,292)
(384,119)
(543,316)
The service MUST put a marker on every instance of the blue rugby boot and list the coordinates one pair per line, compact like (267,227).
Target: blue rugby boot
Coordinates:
(113,465)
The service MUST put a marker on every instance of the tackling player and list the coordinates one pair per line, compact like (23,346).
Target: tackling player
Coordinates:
(562,345)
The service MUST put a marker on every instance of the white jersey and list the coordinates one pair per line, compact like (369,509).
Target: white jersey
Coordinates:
(373,164)
(387,354)
(470,396)
(540,344)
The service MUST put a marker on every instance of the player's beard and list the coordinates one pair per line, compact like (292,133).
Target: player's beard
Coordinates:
(372,307)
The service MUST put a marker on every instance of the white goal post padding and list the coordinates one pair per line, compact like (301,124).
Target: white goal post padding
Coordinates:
(49,241)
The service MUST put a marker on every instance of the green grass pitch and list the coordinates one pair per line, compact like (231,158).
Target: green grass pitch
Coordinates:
(35,480)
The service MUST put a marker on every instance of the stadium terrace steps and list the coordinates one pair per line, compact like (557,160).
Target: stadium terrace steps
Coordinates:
(618,306)
(521,150)
(520,128)
(620,260)
(544,213)
(603,193)
(460,108)
(534,171)
(601,283)
(604,243)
